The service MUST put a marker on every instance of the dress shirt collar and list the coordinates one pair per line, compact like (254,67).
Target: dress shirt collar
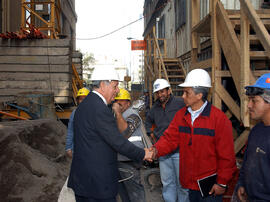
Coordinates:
(195,114)
(101,96)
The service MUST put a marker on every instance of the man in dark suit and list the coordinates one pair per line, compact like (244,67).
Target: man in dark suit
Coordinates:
(97,140)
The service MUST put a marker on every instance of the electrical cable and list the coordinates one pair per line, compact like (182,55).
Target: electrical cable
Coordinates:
(102,36)
(99,37)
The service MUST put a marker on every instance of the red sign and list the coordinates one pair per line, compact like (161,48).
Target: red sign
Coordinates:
(138,45)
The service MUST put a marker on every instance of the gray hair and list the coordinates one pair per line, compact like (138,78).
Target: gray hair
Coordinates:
(266,95)
(96,84)
(203,90)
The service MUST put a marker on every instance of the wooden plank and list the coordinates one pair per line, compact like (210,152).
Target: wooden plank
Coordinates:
(241,141)
(260,12)
(27,51)
(57,99)
(76,60)
(34,68)
(257,24)
(261,16)
(35,43)
(6,99)
(160,57)
(258,55)
(35,85)
(227,99)
(244,67)
(202,64)
(29,76)
(203,26)
(225,73)
(195,18)
(34,59)
(216,56)
(13,92)
(230,45)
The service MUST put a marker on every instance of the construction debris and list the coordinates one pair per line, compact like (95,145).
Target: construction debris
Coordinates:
(32,33)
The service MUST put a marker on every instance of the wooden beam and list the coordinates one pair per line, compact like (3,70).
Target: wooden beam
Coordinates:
(241,141)
(202,64)
(258,55)
(230,45)
(149,69)
(160,57)
(257,24)
(227,99)
(244,67)
(195,18)
(203,26)
(216,56)
(226,73)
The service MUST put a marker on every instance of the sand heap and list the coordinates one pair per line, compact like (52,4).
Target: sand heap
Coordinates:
(33,167)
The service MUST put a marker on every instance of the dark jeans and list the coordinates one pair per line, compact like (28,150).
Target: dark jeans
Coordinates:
(131,190)
(195,196)
(84,199)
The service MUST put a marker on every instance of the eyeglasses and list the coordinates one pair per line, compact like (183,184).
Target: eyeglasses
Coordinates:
(253,91)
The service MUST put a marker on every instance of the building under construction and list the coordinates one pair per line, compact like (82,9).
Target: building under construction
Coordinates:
(38,57)
(38,50)
(228,38)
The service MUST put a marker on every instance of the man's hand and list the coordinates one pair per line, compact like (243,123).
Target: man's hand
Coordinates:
(69,153)
(149,155)
(116,108)
(242,195)
(217,190)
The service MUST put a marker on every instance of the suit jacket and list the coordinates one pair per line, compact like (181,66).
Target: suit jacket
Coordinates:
(97,140)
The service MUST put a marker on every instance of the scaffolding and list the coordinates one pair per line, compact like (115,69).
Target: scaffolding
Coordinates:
(43,15)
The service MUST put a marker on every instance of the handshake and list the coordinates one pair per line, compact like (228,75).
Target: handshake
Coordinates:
(150,154)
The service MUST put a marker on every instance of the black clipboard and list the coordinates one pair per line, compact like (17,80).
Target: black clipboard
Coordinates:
(205,184)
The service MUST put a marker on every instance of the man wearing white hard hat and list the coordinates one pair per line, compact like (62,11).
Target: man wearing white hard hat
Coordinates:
(160,115)
(203,134)
(94,172)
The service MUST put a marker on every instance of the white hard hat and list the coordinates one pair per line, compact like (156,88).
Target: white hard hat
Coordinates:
(196,78)
(105,73)
(160,84)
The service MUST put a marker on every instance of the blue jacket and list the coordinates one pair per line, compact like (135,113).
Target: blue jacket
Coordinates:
(255,171)
(97,140)
(70,132)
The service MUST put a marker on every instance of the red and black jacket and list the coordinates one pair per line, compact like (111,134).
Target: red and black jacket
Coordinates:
(206,147)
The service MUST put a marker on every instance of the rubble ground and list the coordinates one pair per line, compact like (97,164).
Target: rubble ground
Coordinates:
(33,165)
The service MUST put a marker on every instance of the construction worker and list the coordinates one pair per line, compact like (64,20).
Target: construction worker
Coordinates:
(129,124)
(254,179)
(82,93)
(146,101)
(160,115)
(203,134)
(94,172)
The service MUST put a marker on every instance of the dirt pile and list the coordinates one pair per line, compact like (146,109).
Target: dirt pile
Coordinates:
(33,166)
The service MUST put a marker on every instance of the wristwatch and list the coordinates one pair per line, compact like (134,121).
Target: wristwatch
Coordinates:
(222,185)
